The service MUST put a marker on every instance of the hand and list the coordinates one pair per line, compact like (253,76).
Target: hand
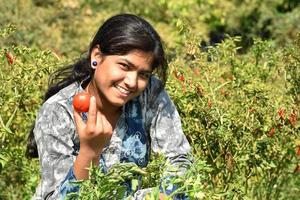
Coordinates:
(162,196)
(96,132)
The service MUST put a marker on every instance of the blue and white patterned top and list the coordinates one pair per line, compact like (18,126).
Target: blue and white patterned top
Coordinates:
(144,125)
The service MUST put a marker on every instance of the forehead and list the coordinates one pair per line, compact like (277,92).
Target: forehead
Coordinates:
(139,59)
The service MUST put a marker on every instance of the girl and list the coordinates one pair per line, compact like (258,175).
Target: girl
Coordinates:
(129,115)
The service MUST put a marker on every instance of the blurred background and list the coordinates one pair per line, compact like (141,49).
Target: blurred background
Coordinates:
(66,27)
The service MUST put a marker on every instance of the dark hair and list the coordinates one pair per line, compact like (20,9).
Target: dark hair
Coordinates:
(119,35)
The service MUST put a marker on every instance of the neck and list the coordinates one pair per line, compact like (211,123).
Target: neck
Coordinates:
(102,104)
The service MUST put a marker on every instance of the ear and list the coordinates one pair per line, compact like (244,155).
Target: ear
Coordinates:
(96,54)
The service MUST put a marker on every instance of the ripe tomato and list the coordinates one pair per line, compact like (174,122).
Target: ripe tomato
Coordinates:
(81,102)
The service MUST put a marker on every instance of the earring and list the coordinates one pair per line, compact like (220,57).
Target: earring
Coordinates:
(94,64)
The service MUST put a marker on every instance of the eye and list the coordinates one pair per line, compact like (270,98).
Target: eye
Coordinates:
(124,66)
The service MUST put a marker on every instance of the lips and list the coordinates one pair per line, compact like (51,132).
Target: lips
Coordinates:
(122,90)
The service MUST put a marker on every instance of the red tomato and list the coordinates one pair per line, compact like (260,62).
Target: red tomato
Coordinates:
(81,102)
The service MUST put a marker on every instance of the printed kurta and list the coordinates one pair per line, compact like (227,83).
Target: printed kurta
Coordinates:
(148,122)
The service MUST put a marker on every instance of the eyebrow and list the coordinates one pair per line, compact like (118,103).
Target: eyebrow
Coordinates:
(134,66)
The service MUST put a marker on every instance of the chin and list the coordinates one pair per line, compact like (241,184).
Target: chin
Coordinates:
(119,102)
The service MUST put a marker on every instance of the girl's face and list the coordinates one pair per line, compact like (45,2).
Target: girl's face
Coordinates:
(120,78)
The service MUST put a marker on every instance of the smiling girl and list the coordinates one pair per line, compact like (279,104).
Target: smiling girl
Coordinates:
(130,113)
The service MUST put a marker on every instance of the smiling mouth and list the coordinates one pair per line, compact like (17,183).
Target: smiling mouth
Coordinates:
(122,90)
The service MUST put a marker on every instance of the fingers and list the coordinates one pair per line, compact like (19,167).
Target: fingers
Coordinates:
(96,122)
(80,125)
(107,127)
(100,124)
(92,115)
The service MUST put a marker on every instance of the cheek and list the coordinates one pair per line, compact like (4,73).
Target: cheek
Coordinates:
(117,75)
(109,75)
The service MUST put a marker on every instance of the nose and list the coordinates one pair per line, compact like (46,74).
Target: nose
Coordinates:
(131,80)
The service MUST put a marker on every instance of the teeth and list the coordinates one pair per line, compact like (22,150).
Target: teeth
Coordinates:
(123,90)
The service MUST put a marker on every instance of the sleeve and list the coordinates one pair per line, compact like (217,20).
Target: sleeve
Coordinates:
(168,138)
(53,133)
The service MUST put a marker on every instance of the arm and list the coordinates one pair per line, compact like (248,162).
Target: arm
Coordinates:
(93,135)
(60,165)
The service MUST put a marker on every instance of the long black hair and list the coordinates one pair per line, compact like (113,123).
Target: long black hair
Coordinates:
(119,35)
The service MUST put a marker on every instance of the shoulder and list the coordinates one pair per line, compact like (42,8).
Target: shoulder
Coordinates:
(155,101)
(155,94)
(154,85)
(65,94)
(56,114)
(60,104)
(64,97)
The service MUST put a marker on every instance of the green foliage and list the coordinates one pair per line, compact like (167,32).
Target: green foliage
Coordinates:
(230,111)
(238,99)
(24,72)
(110,185)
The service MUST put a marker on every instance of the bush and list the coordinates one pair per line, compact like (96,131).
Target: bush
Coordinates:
(240,114)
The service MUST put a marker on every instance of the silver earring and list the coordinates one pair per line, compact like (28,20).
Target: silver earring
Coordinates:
(94,64)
